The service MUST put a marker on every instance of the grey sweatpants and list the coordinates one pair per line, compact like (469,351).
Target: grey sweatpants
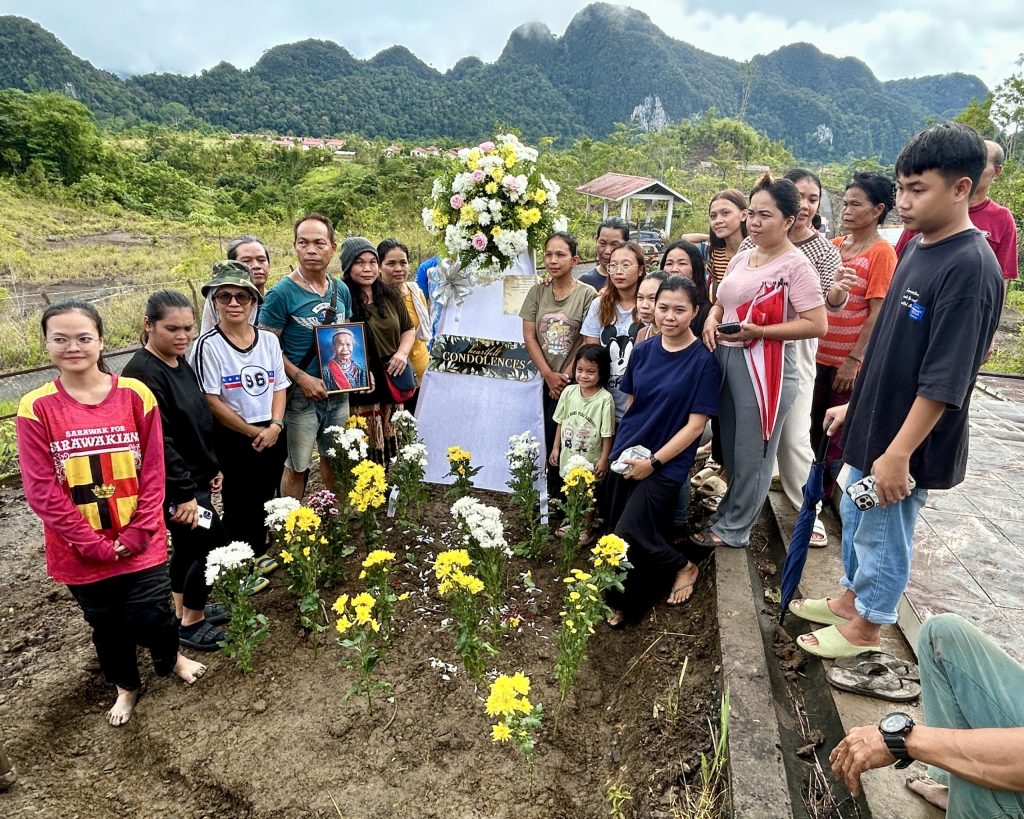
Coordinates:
(747,464)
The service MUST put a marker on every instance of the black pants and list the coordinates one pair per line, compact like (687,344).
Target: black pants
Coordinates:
(553,478)
(188,557)
(126,611)
(641,513)
(251,478)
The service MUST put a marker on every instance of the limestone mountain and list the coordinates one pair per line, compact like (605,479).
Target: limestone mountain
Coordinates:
(608,61)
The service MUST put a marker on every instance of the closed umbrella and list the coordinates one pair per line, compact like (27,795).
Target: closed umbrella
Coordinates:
(800,540)
(764,357)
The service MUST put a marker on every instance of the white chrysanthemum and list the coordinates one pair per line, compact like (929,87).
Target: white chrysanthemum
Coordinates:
(483,217)
(278,509)
(482,523)
(437,191)
(578,460)
(478,204)
(403,419)
(461,182)
(226,557)
(351,443)
(560,225)
(456,239)
(523,449)
(428,220)
(414,453)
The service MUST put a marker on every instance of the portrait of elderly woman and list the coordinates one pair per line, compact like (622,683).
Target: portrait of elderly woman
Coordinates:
(343,357)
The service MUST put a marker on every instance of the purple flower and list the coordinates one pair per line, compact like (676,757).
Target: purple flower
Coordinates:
(479,241)
(477,175)
(457,201)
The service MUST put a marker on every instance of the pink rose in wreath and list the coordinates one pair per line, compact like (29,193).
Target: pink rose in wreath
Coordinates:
(479,241)
(477,175)
(487,147)
(457,201)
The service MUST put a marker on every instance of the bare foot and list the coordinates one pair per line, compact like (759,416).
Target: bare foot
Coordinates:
(123,706)
(935,793)
(617,619)
(682,587)
(188,670)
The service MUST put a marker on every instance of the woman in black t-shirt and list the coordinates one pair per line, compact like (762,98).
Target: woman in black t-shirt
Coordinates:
(189,460)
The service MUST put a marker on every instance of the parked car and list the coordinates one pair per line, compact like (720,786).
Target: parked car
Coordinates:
(648,236)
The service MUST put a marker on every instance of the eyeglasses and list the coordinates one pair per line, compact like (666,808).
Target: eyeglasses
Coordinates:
(224,299)
(61,342)
(625,267)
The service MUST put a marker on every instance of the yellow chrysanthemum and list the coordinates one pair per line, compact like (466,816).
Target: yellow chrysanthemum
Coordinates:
(355,422)
(306,552)
(450,560)
(457,453)
(440,220)
(363,600)
(370,486)
(501,732)
(528,216)
(540,196)
(496,231)
(343,625)
(340,604)
(491,188)
(286,556)
(302,518)
(378,556)
(467,214)
(497,173)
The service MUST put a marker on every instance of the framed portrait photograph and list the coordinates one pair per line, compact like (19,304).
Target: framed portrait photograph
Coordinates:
(341,351)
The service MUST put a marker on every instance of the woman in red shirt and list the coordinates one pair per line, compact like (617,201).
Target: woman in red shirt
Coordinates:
(91,453)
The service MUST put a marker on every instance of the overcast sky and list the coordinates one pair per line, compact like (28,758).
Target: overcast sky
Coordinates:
(897,38)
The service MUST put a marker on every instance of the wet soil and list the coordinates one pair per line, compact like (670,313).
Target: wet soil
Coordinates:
(281,742)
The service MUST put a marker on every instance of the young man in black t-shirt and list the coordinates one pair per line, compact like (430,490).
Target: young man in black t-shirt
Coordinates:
(908,413)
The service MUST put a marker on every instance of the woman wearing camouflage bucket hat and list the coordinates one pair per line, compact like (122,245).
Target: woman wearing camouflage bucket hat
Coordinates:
(241,370)
(390,336)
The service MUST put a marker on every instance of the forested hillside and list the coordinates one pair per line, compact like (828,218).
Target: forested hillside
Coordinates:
(608,60)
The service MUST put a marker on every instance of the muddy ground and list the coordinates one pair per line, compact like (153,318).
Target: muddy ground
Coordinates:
(282,743)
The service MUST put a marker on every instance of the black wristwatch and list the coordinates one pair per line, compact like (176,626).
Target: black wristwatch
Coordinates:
(655,463)
(895,729)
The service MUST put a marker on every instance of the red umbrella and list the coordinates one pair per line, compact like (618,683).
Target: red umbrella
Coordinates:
(764,357)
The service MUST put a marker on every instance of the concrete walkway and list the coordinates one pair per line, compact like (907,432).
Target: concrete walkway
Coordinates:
(969,541)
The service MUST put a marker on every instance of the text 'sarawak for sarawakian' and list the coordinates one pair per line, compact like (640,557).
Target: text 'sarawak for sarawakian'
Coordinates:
(99,438)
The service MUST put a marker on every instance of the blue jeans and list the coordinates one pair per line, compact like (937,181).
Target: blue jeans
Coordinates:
(877,545)
(305,422)
(967,681)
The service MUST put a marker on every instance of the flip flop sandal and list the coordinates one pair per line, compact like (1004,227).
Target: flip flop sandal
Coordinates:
(878,682)
(712,487)
(904,669)
(201,636)
(266,565)
(619,624)
(712,503)
(683,587)
(704,540)
(816,610)
(703,475)
(832,644)
(819,537)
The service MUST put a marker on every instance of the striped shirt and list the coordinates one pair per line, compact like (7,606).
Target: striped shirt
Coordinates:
(874,267)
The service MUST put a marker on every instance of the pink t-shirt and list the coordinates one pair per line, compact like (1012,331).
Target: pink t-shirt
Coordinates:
(742,282)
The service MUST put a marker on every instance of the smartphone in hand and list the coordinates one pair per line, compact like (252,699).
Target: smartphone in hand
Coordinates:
(729,328)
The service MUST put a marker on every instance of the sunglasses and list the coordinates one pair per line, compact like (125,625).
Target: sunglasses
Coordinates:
(224,299)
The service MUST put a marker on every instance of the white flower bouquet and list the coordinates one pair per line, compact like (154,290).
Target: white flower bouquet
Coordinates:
(491,206)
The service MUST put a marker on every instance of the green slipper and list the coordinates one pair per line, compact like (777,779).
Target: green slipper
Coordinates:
(832,645)
(816,610)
